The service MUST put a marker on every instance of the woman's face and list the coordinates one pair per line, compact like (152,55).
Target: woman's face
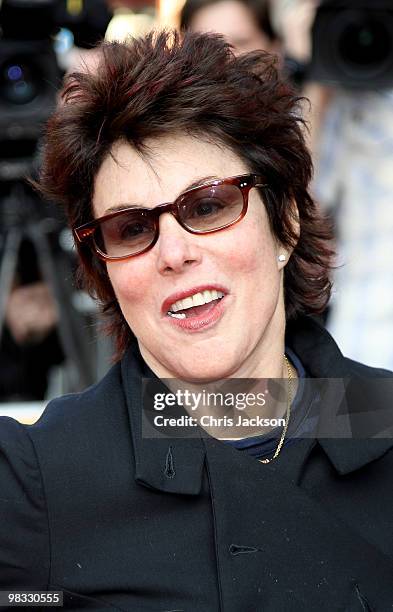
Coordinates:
(235,21)
(240,335)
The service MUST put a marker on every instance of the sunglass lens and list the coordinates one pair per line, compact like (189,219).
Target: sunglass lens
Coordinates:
(211,207)
(125,234)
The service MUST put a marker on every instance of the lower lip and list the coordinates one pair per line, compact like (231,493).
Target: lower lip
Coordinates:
(197,323)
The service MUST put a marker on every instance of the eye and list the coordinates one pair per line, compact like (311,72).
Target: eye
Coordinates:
(204,207)
(131,229)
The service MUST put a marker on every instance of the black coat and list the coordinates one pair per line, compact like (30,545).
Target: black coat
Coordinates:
(121,522)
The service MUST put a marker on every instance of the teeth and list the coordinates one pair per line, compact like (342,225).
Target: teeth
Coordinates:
(187,303)
(181,315)
(198,299)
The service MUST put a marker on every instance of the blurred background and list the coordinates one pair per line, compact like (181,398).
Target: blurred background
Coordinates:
(337,53)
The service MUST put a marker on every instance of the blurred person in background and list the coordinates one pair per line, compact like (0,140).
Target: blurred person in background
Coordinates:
(41,40)
(245,24)
(127,18)
(29,344)
(352,142)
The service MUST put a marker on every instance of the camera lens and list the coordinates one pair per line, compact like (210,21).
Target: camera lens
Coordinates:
(18,82)
(363,43)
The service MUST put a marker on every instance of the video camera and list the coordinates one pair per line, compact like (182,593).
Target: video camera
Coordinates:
(352,44)
(29,71)
(32,235)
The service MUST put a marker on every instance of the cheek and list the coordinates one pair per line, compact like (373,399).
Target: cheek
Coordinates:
(252,252)
(131,282)
(252,263)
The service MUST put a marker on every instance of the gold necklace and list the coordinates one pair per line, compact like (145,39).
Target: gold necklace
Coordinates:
(289,401)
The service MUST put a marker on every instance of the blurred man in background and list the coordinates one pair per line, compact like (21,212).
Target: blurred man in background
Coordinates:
(352,140)
(29,344)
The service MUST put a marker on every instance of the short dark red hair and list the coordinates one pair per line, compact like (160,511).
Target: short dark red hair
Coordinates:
(164,84)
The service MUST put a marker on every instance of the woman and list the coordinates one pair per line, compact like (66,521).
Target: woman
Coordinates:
(184,173)
(246,24)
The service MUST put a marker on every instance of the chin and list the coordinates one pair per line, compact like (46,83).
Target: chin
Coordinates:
(205,372)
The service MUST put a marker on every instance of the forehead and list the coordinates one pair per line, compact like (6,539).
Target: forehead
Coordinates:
(225,16)
(167,166)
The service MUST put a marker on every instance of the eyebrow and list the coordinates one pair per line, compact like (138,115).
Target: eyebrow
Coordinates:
(197,183)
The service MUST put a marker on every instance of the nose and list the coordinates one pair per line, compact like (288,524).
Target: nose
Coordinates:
(177,249)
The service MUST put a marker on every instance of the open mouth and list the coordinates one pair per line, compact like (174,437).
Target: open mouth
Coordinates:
(196,305)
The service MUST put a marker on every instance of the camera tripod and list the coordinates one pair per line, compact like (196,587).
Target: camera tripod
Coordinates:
(22,219)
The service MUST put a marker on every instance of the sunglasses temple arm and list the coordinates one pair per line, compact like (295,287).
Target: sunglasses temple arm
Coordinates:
(81,235)
(259,182)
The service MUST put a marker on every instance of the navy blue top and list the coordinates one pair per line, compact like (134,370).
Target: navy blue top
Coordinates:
(301,422)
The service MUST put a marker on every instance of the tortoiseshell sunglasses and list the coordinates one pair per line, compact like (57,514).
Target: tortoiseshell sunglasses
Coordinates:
(204,209)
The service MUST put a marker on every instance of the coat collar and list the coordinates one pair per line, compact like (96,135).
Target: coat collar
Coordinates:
(360,392)
(176,465)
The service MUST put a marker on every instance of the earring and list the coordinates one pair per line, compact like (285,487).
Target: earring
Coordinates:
(281,257)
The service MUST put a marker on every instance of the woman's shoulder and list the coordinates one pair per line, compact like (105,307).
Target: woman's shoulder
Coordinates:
(77,408)
(24,536)
(73,427)
(18,439)
(16,449)
(66,418)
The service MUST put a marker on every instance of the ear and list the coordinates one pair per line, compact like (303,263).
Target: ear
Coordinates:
(284,253)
